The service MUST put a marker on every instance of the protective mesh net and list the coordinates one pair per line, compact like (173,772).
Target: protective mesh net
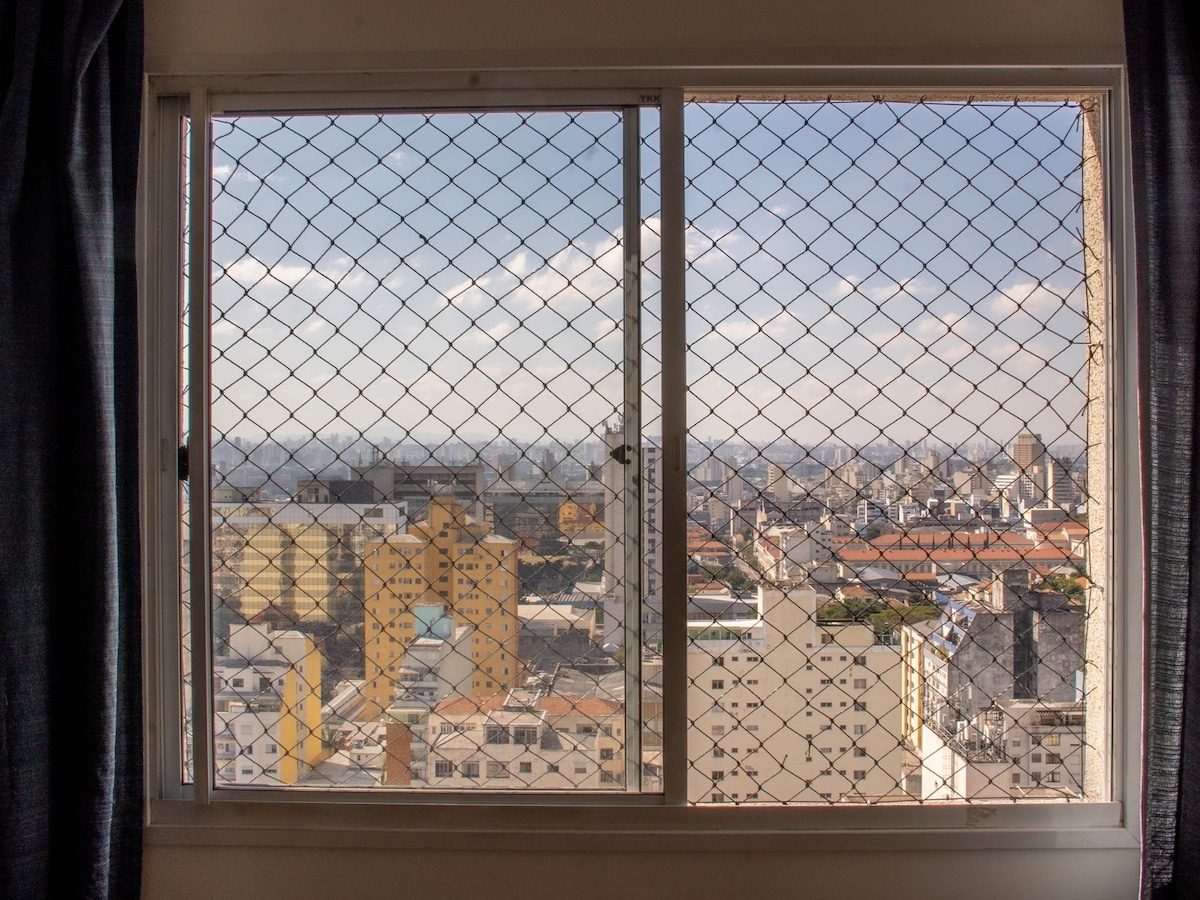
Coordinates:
(888,351)
(421,565)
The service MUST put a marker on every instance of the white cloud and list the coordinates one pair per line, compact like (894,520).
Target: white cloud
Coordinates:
(917,288)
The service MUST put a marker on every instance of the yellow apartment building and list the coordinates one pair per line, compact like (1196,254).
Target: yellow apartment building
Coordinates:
(452,566)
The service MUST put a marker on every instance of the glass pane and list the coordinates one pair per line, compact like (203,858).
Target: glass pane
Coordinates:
(889,349)
(417,383)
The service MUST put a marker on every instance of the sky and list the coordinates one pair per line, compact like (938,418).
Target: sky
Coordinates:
(854,271)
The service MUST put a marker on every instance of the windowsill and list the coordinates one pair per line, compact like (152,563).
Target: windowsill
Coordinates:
(296,821)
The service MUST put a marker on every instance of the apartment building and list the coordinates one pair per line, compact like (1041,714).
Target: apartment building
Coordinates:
(792,709)
(1015,749)
(452,566)
(526,740)
(295,558)
(1005,653)
(267,707)
(615,566)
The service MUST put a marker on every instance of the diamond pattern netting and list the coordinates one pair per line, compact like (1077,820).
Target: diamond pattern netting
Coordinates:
(417,380)
(888,352)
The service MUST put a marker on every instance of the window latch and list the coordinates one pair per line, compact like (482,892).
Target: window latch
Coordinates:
(621,454)
(182,455)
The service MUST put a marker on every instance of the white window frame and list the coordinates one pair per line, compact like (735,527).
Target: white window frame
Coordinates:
(450,820)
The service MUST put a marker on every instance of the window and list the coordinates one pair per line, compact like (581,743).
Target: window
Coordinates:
(821,468)
(526,735)
(496,734)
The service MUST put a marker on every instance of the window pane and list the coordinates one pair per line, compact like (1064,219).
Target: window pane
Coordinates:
(418,402)
(889,346)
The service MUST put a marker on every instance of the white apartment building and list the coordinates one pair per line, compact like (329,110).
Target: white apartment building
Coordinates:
(267,707)
(793,710)
(526,740)
(1017,749)
(614,581)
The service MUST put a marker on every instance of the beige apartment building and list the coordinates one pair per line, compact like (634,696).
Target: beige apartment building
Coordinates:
(446,566)
(792,710)
(295,558)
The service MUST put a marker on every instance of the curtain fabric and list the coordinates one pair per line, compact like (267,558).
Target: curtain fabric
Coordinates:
(1164,64)
(71,801)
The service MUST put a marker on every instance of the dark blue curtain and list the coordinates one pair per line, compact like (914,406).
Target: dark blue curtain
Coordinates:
(1164,81)
(71,795)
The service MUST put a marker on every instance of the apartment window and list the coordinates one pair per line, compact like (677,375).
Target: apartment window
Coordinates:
(496,769)
(526,735)
(469,769)
(443,769)
(901,264)
(496,734)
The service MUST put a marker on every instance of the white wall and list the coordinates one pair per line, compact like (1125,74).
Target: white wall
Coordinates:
(186,36)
